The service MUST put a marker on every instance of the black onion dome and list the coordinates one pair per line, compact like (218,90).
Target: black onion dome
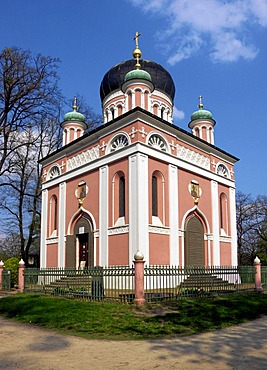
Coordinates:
(114,78)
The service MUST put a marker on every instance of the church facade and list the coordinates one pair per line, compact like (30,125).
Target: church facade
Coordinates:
(138,182)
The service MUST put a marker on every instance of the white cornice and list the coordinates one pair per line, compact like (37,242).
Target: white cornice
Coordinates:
(144,149)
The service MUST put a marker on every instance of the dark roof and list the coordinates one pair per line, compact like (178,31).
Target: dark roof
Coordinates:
(114,78)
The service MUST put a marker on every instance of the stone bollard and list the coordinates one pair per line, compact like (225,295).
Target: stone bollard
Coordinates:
(21,276)
(257,265)
(139,278)
(2,265)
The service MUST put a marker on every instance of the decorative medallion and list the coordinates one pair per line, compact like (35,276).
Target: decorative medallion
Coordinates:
(195,190)
(81,192)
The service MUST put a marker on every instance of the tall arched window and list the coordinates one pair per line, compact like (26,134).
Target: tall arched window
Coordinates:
(155,109)
(154,196)
(157,198)
(146,100)
(53,215)
(223,214)
(118,199)
(122,196)
(130,100)
(119,110)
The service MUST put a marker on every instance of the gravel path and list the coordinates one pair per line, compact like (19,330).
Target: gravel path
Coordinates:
(26,347)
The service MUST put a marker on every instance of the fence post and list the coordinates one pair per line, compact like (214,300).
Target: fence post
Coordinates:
(139,278)
(21,276)
(2,265)
(257,265)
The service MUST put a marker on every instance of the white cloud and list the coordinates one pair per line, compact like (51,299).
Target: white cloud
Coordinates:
(179,114)
(259,10)
(221,27)
(228,48)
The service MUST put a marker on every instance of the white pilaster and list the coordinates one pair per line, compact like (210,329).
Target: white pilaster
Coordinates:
(215,223)
(174,215)
(138,206)
(234,261)
(43,229)
(103,216)
(61,224)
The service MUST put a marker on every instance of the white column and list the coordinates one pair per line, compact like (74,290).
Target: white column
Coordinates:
(174,215)
(64,138)
(215,223)
(233,226)
(44,221)
(138,206)
(103,216)
(61,224)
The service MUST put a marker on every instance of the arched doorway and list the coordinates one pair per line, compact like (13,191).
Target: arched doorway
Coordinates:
(84,242)
(194,242)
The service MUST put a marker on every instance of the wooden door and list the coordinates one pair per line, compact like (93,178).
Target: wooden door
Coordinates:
(194,243)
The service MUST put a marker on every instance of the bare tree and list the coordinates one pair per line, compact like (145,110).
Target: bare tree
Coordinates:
(28,92)
(251,227)
(21,187)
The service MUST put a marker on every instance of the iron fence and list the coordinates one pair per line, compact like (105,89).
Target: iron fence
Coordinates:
(6,280)
(264,276)
(170,282)
(115,283)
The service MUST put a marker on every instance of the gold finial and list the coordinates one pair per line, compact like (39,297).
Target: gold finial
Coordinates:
(137,52)
(200,105)
(75,104)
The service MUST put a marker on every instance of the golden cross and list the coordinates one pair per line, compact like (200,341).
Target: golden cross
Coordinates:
(137,34)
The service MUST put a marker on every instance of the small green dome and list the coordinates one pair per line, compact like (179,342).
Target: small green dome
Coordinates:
(74,115)
(139,74)
(201,114)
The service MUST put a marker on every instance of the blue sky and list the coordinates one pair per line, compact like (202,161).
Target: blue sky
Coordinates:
(213,48)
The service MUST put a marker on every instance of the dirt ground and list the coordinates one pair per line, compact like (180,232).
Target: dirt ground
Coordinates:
(26,347)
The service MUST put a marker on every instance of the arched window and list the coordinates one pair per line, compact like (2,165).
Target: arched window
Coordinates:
(155,109)
(130,100)
(53,216)
(197,132)
(157,199)
(162,112)
(154,196)
(122,196)
(118,199)
(223,214)
(119,110)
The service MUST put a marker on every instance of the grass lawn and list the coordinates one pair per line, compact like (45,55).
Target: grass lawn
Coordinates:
(120,321)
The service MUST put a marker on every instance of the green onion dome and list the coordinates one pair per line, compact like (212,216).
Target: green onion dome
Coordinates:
(74,115)
(201,113)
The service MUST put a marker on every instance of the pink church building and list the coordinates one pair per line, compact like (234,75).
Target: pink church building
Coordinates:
(138,182)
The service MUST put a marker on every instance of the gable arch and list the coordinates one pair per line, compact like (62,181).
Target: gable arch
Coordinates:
(81,212)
